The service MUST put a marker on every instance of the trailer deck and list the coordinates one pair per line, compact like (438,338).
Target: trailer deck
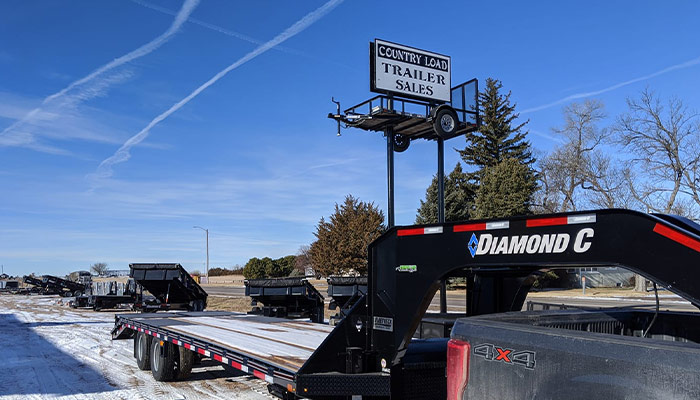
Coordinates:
(273,349)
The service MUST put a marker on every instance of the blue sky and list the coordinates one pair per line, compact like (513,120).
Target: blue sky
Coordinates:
(84,178)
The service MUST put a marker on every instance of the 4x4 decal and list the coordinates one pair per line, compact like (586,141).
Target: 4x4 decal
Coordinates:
(491,352)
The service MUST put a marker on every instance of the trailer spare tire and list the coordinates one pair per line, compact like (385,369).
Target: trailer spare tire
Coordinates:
(445,122)
(142,347)
(163,356)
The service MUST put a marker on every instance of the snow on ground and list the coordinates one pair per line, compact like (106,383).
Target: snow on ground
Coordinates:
(51,351)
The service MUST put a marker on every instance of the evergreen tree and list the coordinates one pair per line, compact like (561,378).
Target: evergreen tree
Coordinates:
(342,241)
(459,199)
(498,139)
(506,190)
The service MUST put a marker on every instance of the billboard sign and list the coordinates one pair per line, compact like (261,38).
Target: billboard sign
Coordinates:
(409,72)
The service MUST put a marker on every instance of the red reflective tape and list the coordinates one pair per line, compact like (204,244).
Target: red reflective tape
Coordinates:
(470,227)
(236,365)
(531,223)
(187,346)
(259,374)
(410,232)
(177,342)
(678,237)
(200,351)
(217,357)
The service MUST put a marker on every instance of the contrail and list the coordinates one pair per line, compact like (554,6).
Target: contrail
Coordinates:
(212,27)
(686,64)
(187,7)
(105,168)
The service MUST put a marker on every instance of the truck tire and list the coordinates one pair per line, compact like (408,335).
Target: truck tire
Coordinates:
(142,347)
(445,123)
(184,364)
(163,356)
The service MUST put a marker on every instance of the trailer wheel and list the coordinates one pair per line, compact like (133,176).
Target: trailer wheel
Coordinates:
(142,345)
(77,294)
(445,122)
(401,143)
(184,364)
(163,355)
(196,305)
(67,294)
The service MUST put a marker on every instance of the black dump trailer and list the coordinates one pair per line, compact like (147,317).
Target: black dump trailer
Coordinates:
(285,298)
(42,286)
(170,285)
(9,286)
(65,287)
(344,292)
(371,352)
(108,295)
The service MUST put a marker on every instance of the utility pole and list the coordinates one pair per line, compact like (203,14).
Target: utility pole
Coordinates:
(207,231)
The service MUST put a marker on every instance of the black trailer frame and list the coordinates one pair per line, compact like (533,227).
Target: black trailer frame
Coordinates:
(285,298)
(363,354)
(170,284)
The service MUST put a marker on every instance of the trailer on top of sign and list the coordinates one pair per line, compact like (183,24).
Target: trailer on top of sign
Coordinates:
(409,72)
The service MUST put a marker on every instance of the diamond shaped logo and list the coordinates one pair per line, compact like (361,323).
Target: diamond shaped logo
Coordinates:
(473,245)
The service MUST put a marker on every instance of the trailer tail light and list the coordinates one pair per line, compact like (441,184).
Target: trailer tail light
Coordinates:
(457,368)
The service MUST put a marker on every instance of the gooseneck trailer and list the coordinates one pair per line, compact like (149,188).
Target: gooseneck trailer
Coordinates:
(371,352)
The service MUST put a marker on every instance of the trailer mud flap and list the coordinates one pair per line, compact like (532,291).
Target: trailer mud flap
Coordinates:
(325,385)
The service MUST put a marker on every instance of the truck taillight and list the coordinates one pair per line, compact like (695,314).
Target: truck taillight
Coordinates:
(457,368)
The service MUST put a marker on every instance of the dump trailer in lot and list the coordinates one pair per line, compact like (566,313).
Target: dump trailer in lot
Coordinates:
(170,285)
(41,286)
(285,298)
(371,352)
(344,292)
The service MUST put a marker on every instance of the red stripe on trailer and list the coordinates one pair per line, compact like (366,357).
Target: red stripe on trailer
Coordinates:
(259,374)
(678,237)
(532,223)
(217,358)
(236,365)
(409,232)
(200,351)
(177,342)
(470,227)
(187,346)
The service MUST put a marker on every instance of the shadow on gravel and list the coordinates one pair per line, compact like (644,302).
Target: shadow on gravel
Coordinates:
(31,365)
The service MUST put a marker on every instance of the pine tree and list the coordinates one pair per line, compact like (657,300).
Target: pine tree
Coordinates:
(498,139)
(506,190)
(342,241)
(459,199)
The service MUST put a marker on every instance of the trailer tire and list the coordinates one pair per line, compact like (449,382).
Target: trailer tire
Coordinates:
(142,347)
(196,305)
(163,360)
(184,364)
(401,143)
(445,122)
(77,293)
(67,294)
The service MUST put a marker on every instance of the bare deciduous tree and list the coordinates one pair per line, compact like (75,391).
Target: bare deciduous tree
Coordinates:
(665,144)
(578,173)
(99,268)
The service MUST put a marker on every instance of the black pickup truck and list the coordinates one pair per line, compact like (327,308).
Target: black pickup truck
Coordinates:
(618,353)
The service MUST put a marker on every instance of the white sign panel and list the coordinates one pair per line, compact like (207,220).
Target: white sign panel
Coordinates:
(409,72)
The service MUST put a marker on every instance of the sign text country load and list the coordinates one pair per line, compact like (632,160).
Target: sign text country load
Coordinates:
(412,57)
